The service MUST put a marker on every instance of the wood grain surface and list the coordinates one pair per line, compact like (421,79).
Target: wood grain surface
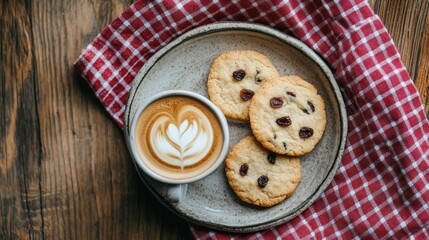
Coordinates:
(65,172)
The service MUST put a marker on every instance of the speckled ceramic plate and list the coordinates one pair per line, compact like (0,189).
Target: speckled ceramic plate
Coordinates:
(184,64)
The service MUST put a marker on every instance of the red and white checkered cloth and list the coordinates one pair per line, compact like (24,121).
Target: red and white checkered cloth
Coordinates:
(381,189)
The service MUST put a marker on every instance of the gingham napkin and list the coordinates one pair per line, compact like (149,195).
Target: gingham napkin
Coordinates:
(381,189)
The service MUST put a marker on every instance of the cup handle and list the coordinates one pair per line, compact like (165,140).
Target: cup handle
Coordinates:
(177,193)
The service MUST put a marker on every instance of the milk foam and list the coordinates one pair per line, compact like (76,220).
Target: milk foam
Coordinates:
(184,140)
(178,137)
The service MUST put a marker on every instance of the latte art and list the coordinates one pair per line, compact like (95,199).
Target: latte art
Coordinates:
(178,137)
(185,144)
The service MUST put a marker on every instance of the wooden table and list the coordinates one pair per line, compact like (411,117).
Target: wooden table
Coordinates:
(65,172)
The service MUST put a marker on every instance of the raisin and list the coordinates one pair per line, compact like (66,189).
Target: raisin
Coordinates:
(284,121)
(311,106)
(284,145)
(262,181)
(243,169)
(239,74)
(292,94)
(276,102)
(246,94)
(258,80)
(305,132)
(271,158)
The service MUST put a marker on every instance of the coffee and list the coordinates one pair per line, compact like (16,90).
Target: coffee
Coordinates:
(178,137)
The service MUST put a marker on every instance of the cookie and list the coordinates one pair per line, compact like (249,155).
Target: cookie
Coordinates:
(260,177)
(287,116)
(234,78)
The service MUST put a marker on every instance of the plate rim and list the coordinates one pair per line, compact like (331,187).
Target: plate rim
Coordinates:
(285,39)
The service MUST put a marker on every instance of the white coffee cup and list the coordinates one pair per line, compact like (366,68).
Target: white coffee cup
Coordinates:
(176,188)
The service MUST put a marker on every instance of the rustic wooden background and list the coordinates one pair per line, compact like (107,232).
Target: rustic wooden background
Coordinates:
(64,169)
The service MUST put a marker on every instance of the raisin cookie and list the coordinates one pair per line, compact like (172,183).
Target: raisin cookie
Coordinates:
(287,116)
(234,78)
(260,177)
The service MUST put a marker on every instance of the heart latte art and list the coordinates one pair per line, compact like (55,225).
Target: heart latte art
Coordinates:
(178,137)
(184,140)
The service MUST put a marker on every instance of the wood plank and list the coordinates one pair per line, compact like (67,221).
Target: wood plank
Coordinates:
(422,80)
(90,187)
(21,216)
